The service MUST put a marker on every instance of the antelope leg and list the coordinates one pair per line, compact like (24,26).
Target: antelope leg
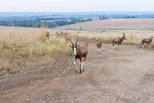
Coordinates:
(119,48)
(142,46)
(113,48)
(80,67)
(100,50)
(75,66)
(83,65)
(149,46)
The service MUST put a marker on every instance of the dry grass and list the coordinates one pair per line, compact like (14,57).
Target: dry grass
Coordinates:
(135,29)
(133,36)
(113,24)
(27,49)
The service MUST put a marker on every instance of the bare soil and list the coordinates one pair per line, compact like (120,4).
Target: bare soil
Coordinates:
(125,76)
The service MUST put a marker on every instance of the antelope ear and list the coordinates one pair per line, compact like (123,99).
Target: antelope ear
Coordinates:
(70,46)
(78,45)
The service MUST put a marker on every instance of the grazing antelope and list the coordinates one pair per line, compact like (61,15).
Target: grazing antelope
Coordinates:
(47,35)
(147,41)
(99,45)
(118,41)
(80,52)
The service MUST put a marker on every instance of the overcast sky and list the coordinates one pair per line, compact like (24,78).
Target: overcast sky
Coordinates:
(75,5)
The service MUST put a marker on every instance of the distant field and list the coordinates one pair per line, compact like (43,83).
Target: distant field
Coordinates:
(113,24)
(135,29)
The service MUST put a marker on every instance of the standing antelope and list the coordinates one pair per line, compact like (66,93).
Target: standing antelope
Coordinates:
(66,40)
(99,45)
(47,35)
(80,52)
(118,41)
(147,41)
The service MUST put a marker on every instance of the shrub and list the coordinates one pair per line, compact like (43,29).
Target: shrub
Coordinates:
(42,36)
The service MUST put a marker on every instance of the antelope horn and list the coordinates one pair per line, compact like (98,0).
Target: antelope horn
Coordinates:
(71,40)
(123,33)
(77,39)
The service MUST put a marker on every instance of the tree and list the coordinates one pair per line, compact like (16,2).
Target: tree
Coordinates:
(102,17)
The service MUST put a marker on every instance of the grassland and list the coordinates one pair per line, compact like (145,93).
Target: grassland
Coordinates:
(113,24)
(22,49)
(133,36)
(27,48)
(135,29)
(124,76)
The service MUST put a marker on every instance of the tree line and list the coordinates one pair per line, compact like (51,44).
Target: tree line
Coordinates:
(45,22)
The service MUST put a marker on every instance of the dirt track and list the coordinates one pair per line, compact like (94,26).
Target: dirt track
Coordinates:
(126,76)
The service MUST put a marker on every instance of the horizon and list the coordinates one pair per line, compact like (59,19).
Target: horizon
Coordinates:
(112,14)
(74,12)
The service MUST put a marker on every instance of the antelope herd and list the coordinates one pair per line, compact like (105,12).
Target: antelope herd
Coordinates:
(80,52)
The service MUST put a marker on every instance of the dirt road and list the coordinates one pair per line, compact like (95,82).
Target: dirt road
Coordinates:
(126,76)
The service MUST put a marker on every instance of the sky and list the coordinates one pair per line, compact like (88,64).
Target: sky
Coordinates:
(75,5)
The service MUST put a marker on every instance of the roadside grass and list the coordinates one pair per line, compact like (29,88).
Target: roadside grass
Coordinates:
(22,51)
(133,37)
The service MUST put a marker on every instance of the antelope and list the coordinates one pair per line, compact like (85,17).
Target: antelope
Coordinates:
(66,40)
(47,35)
(99,45)
(80,52)
(147,41)
(86,44)
(118,40)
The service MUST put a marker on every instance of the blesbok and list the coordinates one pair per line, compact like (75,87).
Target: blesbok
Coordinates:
(80,52)
(66,40)
(99,45)
(118,41)
(147,41)
(86,44)
(47,35)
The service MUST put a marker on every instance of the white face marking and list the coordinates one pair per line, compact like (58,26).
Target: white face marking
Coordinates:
(74,51)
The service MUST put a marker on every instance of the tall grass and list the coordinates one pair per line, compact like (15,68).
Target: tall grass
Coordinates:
(21,50)
(133,37)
